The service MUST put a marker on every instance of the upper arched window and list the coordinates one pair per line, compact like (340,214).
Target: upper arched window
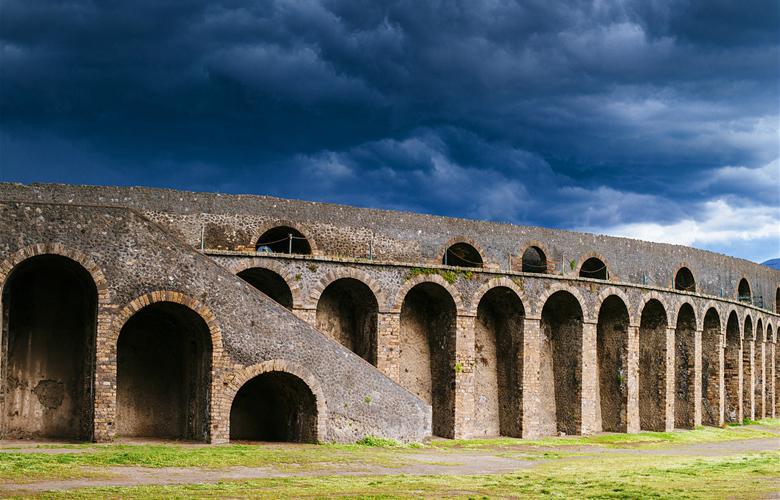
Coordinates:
(534,260)
(462,255)
(777,301)
(594,268)
(684,280)
(283,239)
(743,291)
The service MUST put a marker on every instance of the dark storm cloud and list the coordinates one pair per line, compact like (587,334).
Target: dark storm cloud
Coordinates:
(575,114)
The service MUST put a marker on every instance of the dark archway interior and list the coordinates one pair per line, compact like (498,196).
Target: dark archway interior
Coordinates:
(731,370)
(269,283)
(684,280)
(747,373)
(498,344)
(347,311)
(743,291)
(427,357)
(612,358)
(534,260)
(561,364)
(283,239)
(163,373)
(710,369)
(593,268)
(652,367)
(684,355)
(462,255)
(49,323)
(777,301)
(758,371)
(274,406)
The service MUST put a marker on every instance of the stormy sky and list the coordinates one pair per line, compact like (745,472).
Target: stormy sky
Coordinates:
(649,119)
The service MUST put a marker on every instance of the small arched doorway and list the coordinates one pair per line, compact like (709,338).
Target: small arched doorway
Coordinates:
(347,312)
(270,283)
(684,280)
(274,406)
(743,292)
(49,327)
(164,373)
(462,255)
(593,268)
(283,239)
(534,260)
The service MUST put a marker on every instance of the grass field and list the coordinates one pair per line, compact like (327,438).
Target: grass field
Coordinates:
(648,464)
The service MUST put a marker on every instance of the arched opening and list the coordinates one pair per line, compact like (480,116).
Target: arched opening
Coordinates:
(743,292)
(652,367)
(534,260)
(593,268)
(49,325)
(164,373)
(777,301)
(347,312)
(274,406)
(462,255)
(561,365)
(748,346)
(758,371)
(684,280)
(684,356)
(427,351)
(498,372)
(283,239)
(269,283)
(768,393)
(612,359)
(710,369)
(732,371)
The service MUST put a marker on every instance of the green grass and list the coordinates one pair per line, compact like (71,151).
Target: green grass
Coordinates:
(748,476)
(618,440)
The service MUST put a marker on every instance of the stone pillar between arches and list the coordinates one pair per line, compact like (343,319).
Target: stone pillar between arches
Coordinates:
(388,344)
(589,386)
(464,376)
(632,380)
(697,377)
(670,379)
(532,329)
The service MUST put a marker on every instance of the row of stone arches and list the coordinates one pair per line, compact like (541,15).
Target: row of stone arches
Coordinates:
(463,252)
(165,344)
(347,311)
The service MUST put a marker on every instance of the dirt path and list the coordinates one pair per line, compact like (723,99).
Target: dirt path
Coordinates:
(431,461)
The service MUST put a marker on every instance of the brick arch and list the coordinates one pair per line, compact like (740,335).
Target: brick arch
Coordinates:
(476,297)
(101,284)
(608,292)
(274,266)
(147,299)
(681,265)
(351,273)
(674,313)
(587,316)
(544,248)
(668,309)
(284,222)
(236,380)
(469,241)
(759,329)
(711,304)
(742,323)
(428,278)
(736,289)
(611,276)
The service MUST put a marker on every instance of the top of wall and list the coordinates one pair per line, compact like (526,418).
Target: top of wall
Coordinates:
(341,230)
